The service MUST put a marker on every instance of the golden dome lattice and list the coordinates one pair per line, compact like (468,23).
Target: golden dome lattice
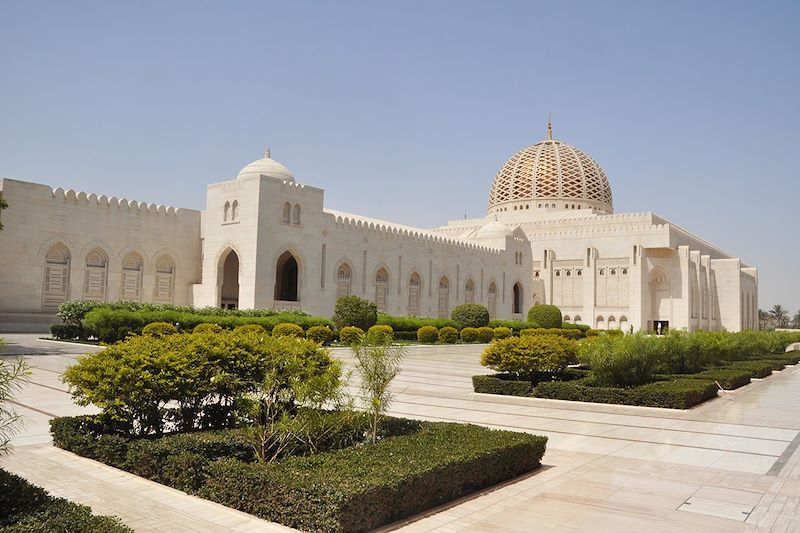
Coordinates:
(551,170)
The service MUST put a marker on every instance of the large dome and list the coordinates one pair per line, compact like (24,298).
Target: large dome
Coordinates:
(550,175)
(266,166)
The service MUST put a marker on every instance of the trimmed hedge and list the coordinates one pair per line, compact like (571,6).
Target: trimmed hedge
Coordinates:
(319,334)
(485,335)
(159,329)
(470,316)
(447,335)
(361,488)
(207,327)
(568,333)
(26,508)
(66,331)
(287,330)
(514,325)
(381,331)
(502,332)
(677,394)
(757,369)
(728,378)
(501,384)
(413,323)
(548,316)
(469,335)
(427,334)
(350,335)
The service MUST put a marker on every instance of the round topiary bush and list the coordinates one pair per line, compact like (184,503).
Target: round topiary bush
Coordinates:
(448,335)
(287,330)
(501,332)
(320,334)
(427,334)
(355,311)
(547,316)
(249,328)
(207,327)
(380,332)
(470,335)
(485,335)
(350,335)
(532,357)
(159,329)
(470,316)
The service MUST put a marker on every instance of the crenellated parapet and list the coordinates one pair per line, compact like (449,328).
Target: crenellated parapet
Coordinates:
(73,197)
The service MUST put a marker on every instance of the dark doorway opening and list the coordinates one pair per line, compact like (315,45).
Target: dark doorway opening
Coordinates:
(229,295)
(660,327)
(286,278)
(517,298)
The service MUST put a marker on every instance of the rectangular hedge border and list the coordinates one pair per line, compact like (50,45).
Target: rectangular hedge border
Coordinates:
(24,508)
(676,394)
(758,369)
(359,489)
(501,384)
(728,378)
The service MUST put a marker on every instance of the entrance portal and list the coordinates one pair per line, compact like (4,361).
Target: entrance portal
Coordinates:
(286,278)
(229,293)
(660,327)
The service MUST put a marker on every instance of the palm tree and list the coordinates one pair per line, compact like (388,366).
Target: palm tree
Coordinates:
(779,315)
(763,319)
(796,320)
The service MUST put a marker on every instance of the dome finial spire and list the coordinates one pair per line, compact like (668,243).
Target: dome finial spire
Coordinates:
(267,153)
(549,127)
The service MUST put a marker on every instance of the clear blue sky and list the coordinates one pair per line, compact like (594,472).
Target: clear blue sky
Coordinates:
(405,110)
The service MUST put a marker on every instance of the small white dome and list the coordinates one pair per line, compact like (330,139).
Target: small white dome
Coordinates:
(493,230)
(266,166)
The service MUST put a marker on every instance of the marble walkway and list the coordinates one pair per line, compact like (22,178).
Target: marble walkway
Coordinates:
(731,464)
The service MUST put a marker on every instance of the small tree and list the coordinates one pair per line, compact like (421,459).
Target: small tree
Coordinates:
(547,316)
(3,205)
(533,357)
(355,311)
(377,362)
(12,376)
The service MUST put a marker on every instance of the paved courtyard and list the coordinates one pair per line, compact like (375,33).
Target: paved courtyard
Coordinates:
(731,464)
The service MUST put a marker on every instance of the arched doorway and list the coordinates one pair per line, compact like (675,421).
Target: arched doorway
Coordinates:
(382,290)
(229,291)
(414,291)
(660,300)
(517,298)
(492,300)
(286,278)
(444,297)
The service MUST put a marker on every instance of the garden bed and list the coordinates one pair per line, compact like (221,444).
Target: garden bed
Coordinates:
(417,466)
(25,508)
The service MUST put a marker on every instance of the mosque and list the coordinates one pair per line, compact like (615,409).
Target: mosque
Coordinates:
(266,241)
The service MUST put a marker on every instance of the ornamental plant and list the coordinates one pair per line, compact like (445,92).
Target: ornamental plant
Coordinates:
(13,374)
(287,330)
(250,328)
(470,316)
(427,334)
(350,335)
(377,362)
(547,316)
(381,330)
(447,335)
(623,361)
(320,334)
(470,335)
(207,328)
(159,329)
(355,311)
(502,332)
(532,358)
(485,335)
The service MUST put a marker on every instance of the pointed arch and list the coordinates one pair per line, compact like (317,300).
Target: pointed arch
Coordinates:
(287,278)
(492,300)
(55,290)
(164,290)
(612,322)
(296,215)
(235,210)
(344,280)
(226,211)
(518,299)
(444,297)
(469,291)
(414,293)
(623,323)
(131,280)
(600,323)
(96,275)
(382,290)
(287,213)
(577,319)
(228,270)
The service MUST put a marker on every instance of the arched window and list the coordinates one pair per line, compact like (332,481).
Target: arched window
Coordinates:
(131,286)
(343,280)
(623,323)
(228,279)
(517,298)
(492,300)
(444,297)
(56,276)
(235,210)
(600,323)
(165,280)
(469,292)
(96,275)
(612,322)
(287,213)
(576,319)
(566,318)
(382,290)
(286,278)
(226,211)
(296,214)
(414,290)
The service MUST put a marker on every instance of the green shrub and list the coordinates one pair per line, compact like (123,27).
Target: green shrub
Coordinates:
(582,327)
(287,330)
(728,378)
(355,311)
(413,323)
(547,316)
(513,325)
(159,329)
(250,328)
(678,394)
(614,332)
(207,328)
(501,333)
(470,335)
(470,316)
(757,369)
(26,508)
(531,358)
(427,334)
(66,331)
(380,331)
(623,361)
(320,334)
(485,335)
(447,335)
(566,333)
(501,384)
(593,332)
(362,488)
(350,335)
(204,376)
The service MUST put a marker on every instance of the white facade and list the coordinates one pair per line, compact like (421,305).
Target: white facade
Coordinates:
(265,241)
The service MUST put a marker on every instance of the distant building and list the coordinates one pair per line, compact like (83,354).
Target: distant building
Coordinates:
(265,241)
